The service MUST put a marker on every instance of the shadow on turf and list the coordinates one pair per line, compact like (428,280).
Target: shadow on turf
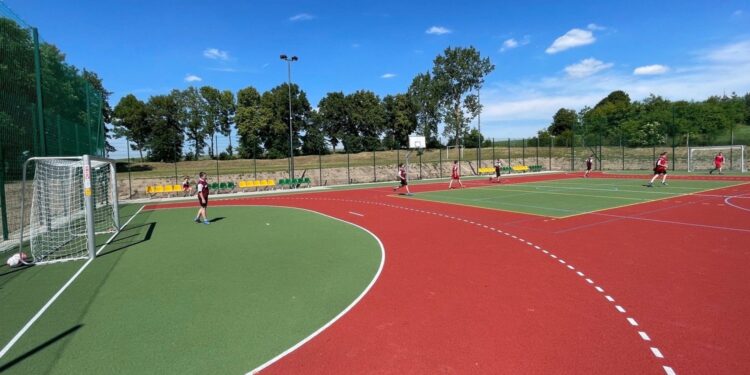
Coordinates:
(216,219)
(123,244)
(40,347)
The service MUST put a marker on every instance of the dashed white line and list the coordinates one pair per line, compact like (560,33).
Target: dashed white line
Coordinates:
(644,336)
(610,299)
(580,273)
(620,308)
(599,289)
(355,213)
(656,352)
(632,322)
(669,370)
(571,267)
(589,281)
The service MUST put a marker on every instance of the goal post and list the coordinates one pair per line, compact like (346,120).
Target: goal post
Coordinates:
(72,200)
(702,158)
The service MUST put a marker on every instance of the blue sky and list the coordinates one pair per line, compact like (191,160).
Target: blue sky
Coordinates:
(547,55)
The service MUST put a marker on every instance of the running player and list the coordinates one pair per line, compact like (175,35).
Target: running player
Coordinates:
(402,179)
(589,163)
(202,190)
(660,169)
(498,168)
(455,175)
(718,163)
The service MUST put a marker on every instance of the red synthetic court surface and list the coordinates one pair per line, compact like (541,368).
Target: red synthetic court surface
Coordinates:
(656,288)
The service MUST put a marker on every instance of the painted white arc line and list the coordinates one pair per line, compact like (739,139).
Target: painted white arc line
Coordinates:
(60,292)
(356,213)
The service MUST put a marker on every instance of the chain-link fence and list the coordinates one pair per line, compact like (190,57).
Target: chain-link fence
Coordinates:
(341,167)
(46,109)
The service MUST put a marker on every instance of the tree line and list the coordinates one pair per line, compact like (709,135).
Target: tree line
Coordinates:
(184,123)
(650,122)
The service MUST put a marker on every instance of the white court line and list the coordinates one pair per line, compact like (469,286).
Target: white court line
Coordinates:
(60,292)
(342,313)
(656,352)
(644,336)
(669,370)
(632,322)
(355,213)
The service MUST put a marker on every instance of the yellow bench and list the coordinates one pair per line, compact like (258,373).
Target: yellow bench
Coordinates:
(520,168)
(159,189)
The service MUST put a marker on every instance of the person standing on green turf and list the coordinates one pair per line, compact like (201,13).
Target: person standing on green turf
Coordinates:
(202,198)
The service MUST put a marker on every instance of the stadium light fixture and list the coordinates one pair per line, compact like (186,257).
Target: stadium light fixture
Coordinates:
(289,61)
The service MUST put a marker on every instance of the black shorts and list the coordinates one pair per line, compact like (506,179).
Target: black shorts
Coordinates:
(203,204)
(497,172)
(404,182)
(588,167)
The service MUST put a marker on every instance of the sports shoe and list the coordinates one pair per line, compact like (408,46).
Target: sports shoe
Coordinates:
(206,222)
(649,185)
(664,183)
(197,220)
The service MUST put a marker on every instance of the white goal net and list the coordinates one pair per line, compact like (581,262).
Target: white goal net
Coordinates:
(73,199)
(701,159)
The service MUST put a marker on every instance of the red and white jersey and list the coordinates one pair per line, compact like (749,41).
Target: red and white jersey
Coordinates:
(402,173)
(662,162)
(203,187)
(719,159)
(454,171)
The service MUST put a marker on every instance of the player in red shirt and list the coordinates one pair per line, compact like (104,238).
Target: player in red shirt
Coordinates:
(660,169)
(202,190)
(718,163)
(402,179)
(589,162)
(455,175)
(498,169)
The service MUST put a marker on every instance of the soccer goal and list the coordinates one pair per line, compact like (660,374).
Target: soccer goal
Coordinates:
(702,158)
(73,199)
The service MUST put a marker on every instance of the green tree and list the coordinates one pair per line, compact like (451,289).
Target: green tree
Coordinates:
(564,119)
(458,74)
(250,118)
(366,121)
(400,120)
(129,120)
(194,118)
(425,96)
(163,117)
(227,111)
(97,85)
(275,135)
(333,116)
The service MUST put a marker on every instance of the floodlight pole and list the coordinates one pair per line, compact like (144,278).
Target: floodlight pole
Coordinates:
(289,61)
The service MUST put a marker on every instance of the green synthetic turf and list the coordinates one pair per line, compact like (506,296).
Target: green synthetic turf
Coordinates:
(174,297)
(566,197)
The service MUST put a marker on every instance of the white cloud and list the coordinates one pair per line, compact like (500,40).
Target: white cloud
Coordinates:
(388,75)
(301,17)
(521,108)
(737,13)
(438,30)
(593,26)
(586,68)
(655,69)
(509,44)
(192,78)
(512,43)
(216,54)
(731,53)
(573,38)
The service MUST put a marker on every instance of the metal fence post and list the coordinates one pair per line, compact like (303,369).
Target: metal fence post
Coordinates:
(39,104)
(348,175)
(509,162)
(374,171)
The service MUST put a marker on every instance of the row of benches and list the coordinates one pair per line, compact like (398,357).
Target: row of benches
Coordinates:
(229,187)
(515,168)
